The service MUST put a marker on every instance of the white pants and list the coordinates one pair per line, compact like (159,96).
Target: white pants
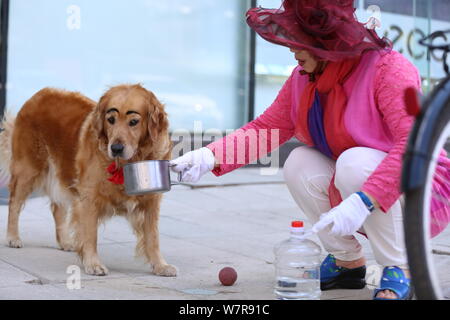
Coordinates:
(308,174)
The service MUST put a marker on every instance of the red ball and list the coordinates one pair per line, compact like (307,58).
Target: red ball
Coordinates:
(227,276)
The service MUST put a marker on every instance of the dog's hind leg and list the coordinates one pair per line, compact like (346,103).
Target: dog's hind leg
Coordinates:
(20,187)
(62,226)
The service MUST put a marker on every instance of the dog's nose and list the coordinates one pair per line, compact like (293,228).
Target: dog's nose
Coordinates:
(117,149)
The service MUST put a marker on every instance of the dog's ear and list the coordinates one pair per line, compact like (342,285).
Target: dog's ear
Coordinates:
(99,118)
(158,123)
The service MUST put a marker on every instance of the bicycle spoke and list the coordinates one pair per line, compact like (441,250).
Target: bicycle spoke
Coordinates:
(439,204)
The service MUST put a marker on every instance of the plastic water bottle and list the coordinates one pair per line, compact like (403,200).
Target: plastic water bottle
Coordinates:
(297,263)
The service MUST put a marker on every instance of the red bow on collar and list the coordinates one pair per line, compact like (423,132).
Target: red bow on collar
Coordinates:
(117,173)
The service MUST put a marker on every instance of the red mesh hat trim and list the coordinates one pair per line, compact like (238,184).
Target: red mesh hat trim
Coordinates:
(328,29)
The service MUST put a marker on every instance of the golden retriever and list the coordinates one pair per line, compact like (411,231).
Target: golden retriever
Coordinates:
(62,144)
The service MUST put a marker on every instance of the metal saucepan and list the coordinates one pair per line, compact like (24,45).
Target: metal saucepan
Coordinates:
(149,176)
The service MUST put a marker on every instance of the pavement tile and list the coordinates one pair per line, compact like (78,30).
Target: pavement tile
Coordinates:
(36,292)
(51,265)
(12,276)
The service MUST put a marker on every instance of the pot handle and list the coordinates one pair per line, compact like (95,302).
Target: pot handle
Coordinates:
(179,177)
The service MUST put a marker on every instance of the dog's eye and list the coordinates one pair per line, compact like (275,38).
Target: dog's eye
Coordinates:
(111,120)
(133,122)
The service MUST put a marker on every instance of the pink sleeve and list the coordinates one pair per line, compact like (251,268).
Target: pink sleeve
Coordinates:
(394,74)
(257,138)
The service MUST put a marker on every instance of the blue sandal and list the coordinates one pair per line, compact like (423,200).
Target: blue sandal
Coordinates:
(334,277)
(393,279)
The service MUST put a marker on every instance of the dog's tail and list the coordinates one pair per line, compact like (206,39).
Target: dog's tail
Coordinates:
(6,132)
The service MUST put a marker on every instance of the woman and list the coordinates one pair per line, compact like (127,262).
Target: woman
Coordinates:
(345,103)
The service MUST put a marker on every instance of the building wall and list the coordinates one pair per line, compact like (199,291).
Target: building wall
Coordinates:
(192,53)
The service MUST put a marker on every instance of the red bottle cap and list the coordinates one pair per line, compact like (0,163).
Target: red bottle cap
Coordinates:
(297,224)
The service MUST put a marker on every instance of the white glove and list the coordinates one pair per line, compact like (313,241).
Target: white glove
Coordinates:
(346,218)
(194,164)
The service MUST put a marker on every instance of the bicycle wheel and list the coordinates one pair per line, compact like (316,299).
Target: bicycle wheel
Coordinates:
(427,205)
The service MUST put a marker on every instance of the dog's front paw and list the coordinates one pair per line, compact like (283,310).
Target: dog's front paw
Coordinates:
(14,243)
(96,269)
(165,270)
(67,246)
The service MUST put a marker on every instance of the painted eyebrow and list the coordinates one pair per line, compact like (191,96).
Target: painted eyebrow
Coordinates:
(131,112)
(112,110)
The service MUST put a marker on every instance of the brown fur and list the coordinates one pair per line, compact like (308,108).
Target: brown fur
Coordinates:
(59,144)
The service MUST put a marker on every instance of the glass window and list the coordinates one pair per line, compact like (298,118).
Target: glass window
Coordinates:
(407,21)
(440,12)
(190,53)
(440,9)
(274,64)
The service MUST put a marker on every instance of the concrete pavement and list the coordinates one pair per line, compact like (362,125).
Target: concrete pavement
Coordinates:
(231,221)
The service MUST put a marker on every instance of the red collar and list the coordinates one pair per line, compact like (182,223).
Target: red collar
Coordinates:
(117,173)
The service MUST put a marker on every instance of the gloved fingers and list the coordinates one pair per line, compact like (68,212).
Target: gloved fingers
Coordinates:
(344,226)
(179,167)
(193,164)
(205,158)
(325,220)
(337,231)
(181,163)
(192,175)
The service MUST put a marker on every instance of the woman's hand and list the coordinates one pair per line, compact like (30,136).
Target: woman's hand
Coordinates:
(194,164)
(346,218)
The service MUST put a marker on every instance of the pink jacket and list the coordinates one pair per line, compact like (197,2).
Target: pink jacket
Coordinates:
(375,117)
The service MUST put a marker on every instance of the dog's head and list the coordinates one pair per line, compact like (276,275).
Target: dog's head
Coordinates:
(130,121)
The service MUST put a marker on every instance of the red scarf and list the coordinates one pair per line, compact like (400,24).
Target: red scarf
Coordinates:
(116,172)
(329,82)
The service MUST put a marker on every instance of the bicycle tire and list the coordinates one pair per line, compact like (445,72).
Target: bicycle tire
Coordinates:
(416,218)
